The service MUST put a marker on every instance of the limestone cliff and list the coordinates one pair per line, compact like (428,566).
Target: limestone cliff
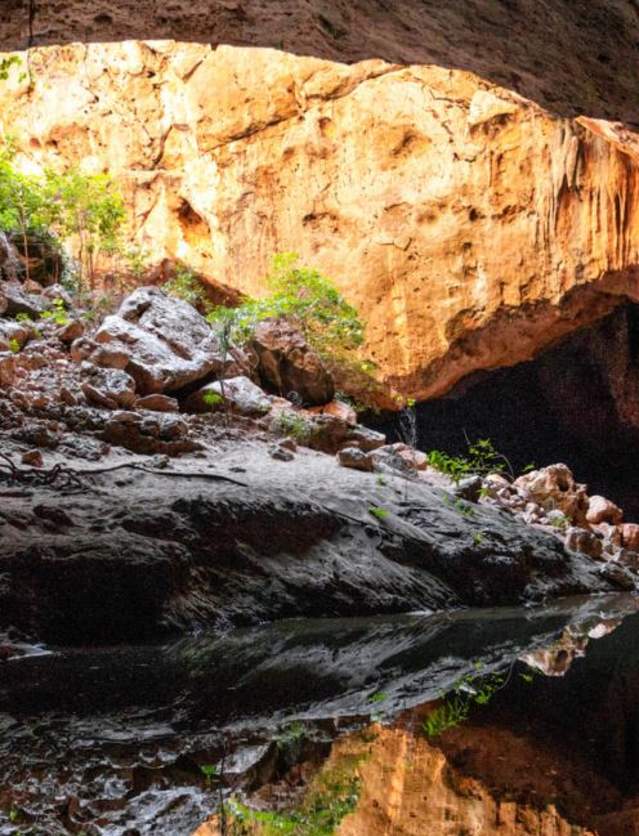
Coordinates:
(470,226)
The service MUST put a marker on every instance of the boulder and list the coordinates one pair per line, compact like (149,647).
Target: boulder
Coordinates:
(388,459)
(355,458)
(630,536)
(157,403)
(602,510)
(149,435)
(7,368)
(469,488)
(581,540)
(288,366)
(280,452)
(14,334)
(239,394)
(109,388)
(73,330)
(365,438)
(168,343)
(554,488)
(338,409)
(19,302)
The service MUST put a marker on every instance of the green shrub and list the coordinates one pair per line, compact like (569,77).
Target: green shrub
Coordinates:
(455,709)
(297,427)
(57,314)
(186,285)
(14,345)
(334,794)
(304,296)
(212,398)
(482,459)
(378,513)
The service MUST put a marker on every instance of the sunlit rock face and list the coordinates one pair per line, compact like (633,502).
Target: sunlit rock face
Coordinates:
(470,226)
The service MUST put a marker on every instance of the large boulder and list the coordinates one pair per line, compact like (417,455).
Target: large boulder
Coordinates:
(169,344)
(288,366)
(554,488)
(20,302)
(239,394)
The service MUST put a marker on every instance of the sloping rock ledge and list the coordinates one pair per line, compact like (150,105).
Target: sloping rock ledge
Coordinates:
(140,551)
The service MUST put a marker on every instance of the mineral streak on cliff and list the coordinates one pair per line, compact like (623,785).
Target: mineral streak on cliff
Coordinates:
(470,226)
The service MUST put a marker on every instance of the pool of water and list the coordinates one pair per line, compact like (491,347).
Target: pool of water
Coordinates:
(125,740)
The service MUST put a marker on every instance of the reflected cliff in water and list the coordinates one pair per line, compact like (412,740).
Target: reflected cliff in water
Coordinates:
(149,739)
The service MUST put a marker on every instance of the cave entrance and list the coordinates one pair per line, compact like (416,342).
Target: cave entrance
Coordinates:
(577,403)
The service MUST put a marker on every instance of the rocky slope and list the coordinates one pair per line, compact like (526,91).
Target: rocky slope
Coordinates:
(470,226)
(149,484)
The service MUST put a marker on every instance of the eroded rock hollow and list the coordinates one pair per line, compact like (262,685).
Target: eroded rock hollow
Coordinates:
(470,226)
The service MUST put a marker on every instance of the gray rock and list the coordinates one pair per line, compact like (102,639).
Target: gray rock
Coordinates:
(582,540)
(239,394)
(365,438)
(157,403)
(14,334)
(388,459)
(355,458)
(151,552)
(109,388)
(169,344)
(281,453)
(19,302)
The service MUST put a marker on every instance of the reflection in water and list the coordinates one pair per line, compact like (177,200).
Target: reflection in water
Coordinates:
(112,739)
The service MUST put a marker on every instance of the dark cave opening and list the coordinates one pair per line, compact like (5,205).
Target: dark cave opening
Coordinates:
(576,403)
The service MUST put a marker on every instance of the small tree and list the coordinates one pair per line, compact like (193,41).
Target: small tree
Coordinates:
(88,208)
(304,296)
(22,202)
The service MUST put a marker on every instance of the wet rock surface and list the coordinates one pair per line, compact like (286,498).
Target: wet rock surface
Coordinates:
(141,551)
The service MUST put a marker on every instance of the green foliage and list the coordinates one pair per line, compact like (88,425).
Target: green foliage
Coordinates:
(378,513)
(297,427)
(456,467)
(455,709)
(561,522)
(291,735)
(212,398)
(85,209)
(136,259)
(478,538)
(482,459)
(333,795)
(378,696)
(57,314)
(23,317)
(6,64)
(304,296)
(14,345)
(210,771)
(464,508)
(446,716)
(186,285)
